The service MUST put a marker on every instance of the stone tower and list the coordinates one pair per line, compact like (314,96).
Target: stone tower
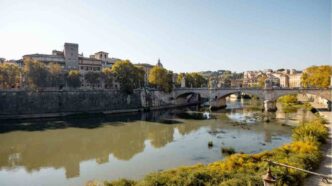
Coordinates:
(70,53)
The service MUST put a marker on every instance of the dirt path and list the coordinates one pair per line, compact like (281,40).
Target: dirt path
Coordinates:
(326,165)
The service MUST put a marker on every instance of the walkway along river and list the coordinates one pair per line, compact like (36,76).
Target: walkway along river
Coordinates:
(72,151)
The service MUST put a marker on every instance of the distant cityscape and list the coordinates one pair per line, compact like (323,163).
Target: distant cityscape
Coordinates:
(70,59)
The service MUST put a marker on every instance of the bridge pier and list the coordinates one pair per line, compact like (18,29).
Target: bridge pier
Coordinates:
(270,106)
(217,103)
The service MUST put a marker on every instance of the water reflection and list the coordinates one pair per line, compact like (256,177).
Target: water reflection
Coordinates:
(115,146)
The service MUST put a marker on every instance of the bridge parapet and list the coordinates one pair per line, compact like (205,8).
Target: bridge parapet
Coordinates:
(269,95)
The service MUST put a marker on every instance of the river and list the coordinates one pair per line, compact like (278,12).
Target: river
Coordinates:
(72,151)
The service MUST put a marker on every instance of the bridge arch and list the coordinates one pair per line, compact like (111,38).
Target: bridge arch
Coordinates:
(222,95)
(184,95)
(188,98)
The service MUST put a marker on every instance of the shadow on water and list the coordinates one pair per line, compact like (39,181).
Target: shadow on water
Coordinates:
(91,121)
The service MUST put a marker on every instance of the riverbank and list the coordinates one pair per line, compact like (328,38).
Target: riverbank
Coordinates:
(247,169)
(325,166)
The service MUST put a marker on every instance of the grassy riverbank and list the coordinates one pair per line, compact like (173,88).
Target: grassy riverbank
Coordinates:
(247,169)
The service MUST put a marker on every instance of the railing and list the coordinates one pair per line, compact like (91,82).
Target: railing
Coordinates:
(252,88)
(325,178)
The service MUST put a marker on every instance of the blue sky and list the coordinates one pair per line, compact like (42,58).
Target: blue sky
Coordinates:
(187,35)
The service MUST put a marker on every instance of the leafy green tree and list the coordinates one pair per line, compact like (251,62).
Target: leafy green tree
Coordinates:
(9,75)
(93,78)
(193,79)
(161,78)
(197,80)
(73,79)
(37,74)
(128,75)
(317,76)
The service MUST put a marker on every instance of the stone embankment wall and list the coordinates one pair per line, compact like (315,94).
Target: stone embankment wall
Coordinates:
(57,103)
(16,104)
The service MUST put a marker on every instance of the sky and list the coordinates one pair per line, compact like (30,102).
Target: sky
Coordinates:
(187,35)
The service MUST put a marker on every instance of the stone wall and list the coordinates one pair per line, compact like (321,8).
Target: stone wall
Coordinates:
(45,102)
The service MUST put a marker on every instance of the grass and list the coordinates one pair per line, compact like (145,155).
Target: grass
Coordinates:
(245,169)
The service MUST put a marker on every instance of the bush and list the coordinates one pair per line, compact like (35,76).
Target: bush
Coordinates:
(288,99)
(311,130)
(121,182)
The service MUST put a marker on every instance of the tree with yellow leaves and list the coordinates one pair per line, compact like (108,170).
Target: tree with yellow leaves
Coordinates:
(317,76)
(161,78)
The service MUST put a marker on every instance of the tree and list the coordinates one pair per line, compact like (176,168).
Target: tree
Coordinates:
(56,75)
(93,78)
(179,79)
(317,76)
(37,74)
(261,80)
(108,77)
(193,79)
(161,78)
(197,80)
(129,76)
(73,79)
(9,75)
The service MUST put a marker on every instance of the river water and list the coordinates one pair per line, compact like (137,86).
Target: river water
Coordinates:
(72,151)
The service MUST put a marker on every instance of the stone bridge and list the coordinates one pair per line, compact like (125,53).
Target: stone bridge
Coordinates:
(217,97)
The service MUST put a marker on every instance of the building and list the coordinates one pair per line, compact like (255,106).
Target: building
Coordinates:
(236,83)
(284,81)
(106,62)
(70,59)
(295,80)
(250,78)
(272,81)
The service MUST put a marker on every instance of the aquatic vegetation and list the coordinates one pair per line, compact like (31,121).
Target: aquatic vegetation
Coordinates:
(247,169)
(288,99)
(228,150)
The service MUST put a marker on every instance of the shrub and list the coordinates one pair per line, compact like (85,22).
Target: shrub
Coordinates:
(314,129)
(121,182)
(288,99)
